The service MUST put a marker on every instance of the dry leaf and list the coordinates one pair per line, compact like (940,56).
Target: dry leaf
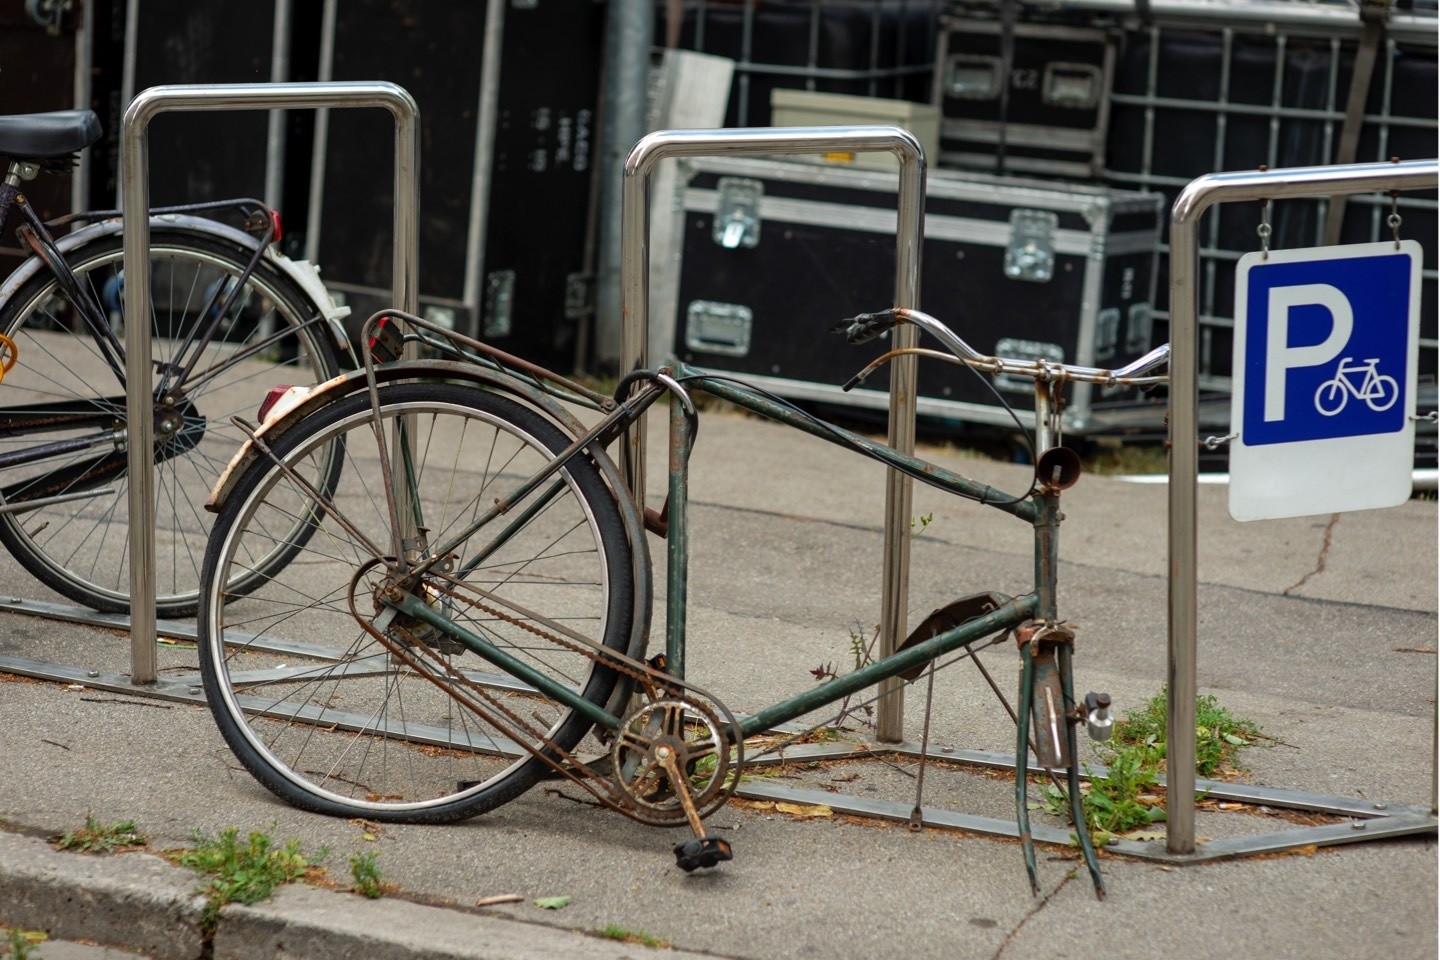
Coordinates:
(805,810)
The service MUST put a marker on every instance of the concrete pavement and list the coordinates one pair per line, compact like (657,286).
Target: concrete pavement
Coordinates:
(1322,629)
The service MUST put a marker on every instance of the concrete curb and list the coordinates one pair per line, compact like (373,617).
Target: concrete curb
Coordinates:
(323,925)
(135,901)
(141,903)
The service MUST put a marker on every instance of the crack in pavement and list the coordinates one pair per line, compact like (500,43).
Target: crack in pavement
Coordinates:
(1320,563)
(1038,907)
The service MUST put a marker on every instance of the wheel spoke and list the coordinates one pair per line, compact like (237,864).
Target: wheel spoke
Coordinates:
(81,547)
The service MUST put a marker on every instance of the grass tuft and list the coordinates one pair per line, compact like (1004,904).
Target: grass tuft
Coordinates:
(96,837)
(366,874)
(242,871)
(616,932)
(1127,796)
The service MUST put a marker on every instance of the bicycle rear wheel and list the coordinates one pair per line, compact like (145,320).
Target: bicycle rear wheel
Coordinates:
(336,720)
(71,525)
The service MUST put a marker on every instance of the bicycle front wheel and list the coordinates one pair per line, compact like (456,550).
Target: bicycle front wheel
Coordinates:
(62,410)
(341,707)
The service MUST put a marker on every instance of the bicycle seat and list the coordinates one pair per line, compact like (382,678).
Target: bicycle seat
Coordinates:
(48,136)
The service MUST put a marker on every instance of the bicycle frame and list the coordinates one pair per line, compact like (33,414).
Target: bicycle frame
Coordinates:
(1045,648)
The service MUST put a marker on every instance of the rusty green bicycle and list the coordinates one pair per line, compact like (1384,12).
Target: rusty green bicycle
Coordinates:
(469,612)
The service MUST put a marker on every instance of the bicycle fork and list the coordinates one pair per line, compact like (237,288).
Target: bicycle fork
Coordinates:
(1046,695)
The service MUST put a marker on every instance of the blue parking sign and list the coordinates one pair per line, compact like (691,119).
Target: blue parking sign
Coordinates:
(1324,379)
(1329,360)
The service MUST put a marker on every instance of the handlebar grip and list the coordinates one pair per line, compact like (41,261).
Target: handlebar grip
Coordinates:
(865,327)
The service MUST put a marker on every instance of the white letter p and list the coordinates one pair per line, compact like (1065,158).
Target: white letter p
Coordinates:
(1279,359)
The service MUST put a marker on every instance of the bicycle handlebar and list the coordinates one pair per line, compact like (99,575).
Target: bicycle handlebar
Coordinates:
(867,326)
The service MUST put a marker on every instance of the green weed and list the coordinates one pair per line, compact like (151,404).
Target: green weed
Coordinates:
(862,652)
(366,874)
(1219,734)
(95,837)
(24,943)
(1126,796)
(236,871)
(616,932)
(1122,799)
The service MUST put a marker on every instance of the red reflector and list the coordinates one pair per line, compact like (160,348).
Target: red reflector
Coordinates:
(275,225)
(271,399)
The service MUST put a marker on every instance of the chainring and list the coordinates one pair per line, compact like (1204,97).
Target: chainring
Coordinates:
(707,748)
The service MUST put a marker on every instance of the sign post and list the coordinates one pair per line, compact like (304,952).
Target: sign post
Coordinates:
(1323,405)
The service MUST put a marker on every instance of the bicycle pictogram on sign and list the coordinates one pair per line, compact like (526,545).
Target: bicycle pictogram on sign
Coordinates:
(1378,390)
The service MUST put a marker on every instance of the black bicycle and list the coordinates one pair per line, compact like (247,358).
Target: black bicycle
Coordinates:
(231,315)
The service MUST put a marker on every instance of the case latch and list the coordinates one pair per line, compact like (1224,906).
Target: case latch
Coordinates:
(1139,327)
(972,77)
(1031,254)
(1073,85)
(499,303)
(715,327)
(737,212)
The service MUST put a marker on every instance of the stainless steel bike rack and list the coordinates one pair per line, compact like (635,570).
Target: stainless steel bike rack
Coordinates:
(135,197)
(635,307)
(1192,202)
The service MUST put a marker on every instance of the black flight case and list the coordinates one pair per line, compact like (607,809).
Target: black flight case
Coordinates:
(775,252)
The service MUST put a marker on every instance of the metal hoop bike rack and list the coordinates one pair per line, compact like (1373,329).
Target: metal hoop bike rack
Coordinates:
(909,233)
(1189,206)
(134,171)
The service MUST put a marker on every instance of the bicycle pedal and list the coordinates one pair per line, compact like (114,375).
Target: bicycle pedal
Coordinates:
(702,852)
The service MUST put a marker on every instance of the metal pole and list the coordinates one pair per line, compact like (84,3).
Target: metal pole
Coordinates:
(487,115)
(135,203)
(275,122)
(909,234)
(1192,202)
(629,30)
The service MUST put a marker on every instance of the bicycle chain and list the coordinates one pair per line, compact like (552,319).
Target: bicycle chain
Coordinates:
(655,683)
(454,677)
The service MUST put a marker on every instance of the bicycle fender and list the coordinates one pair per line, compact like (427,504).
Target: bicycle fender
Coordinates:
(302,273)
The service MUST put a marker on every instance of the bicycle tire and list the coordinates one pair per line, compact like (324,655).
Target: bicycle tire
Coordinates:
(80,548)
(346,728)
